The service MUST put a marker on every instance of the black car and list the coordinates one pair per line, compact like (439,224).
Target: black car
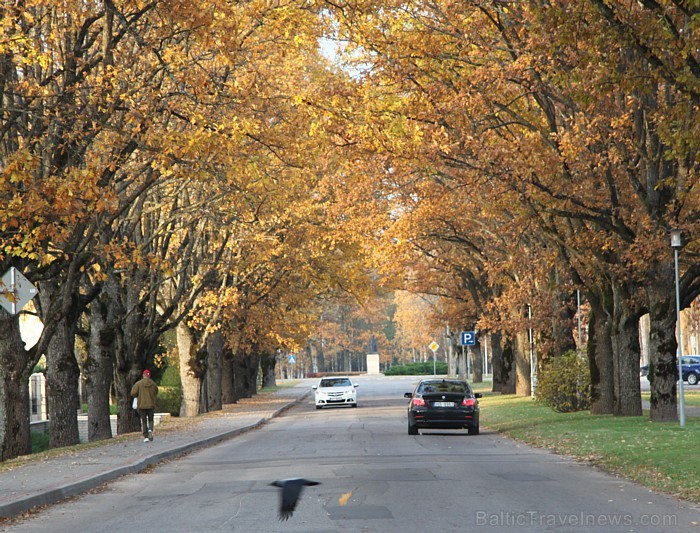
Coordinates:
(443,404)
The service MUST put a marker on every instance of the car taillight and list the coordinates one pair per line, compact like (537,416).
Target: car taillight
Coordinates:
(418,402)
(468,402)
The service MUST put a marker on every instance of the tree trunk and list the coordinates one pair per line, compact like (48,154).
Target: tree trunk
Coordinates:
(451,355)
(560,338)
(600,360)
(477,363)
(127,417)
(502,363)
(15,368)
(313,350)
(204,393)
(628,399)
(215,359)
(462,363)
(62,377)
(99,368)
(663,367)
(321,357)
(521,351)
(227,393)
(191,383)
(267,366)
(129,357)
(245,375)
(564,340)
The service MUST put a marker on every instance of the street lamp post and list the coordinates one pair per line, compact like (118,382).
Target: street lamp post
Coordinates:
(533,362)
(677,244)
(578,315)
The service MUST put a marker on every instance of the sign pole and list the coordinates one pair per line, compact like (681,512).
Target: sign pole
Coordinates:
(434,347)
(486,356)
(13,283)
(468,338)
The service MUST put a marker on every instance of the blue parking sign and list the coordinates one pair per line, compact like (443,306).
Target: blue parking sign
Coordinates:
(468,338)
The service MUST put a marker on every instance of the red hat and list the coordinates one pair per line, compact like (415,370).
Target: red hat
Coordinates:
(147,373)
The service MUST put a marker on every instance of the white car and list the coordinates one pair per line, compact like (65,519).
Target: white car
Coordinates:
(336,390)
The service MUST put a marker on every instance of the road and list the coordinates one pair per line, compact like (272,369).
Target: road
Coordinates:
(374,477)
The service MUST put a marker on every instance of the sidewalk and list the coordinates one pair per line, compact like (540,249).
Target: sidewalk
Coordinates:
(33,483)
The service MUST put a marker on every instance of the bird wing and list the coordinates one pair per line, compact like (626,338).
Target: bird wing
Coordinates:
(290,498)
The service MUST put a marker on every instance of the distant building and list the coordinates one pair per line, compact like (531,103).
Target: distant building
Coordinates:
(37,398)
(30,328)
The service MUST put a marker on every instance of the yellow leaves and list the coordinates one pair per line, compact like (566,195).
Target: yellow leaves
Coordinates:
(315,128)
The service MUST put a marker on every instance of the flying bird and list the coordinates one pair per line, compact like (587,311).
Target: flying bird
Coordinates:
(291,491)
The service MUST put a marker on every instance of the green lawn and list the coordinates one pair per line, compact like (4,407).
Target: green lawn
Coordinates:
(279,385)
(659,455)
(691,396)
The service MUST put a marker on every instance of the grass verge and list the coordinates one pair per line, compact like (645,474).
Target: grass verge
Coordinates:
(279,385)
(657,455)
(691,396)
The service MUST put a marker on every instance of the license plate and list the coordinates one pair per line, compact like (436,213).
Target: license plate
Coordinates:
(444,404)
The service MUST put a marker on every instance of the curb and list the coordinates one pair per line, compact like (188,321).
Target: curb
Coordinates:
(12,509)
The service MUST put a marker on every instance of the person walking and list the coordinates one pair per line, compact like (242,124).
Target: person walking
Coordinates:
(145,391)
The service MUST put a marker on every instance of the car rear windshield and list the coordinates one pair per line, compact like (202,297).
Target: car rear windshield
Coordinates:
(335,382)
(443,386)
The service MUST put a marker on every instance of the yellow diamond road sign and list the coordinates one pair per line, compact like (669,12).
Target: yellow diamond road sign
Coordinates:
(433,346)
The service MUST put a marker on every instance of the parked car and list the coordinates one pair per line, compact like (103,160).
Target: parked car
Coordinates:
(337,390)
(691,369)
(443,404)
(644,370)
(690,366)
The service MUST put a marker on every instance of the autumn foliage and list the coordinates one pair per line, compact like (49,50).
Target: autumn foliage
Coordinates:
(209,169)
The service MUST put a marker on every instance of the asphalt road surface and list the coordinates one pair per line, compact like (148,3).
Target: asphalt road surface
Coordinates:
(374,477)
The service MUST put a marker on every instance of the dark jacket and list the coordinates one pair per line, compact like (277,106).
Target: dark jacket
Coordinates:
(146,391)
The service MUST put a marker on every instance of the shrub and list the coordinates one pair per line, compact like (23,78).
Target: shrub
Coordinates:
(169,400)
(169,397)
(170,377)
(40,441)
(417,369)
(112,408)
(564,383)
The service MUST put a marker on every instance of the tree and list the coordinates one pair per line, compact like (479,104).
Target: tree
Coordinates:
(529,127)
